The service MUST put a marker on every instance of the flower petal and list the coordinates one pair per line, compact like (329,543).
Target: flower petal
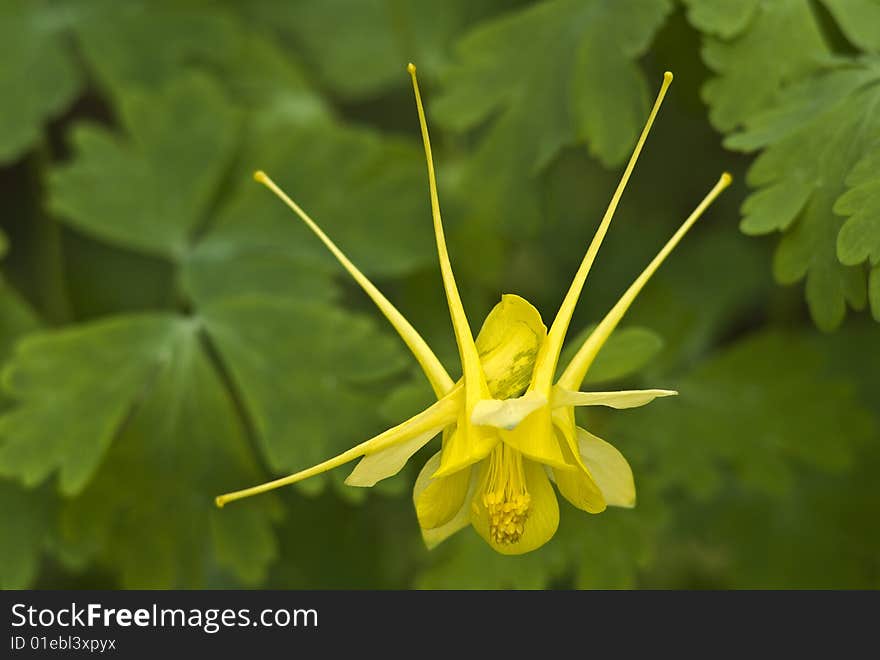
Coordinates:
(466,446)
(438,500)
(508,344)
(609,468)
(543,517)
(385,463)
(574,373)
(534,438)
(433,504)
(565,427)
(622,399)
(434,371)
(507,413)
(580,488)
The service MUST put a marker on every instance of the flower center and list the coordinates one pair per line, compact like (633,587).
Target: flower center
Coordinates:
(505,496)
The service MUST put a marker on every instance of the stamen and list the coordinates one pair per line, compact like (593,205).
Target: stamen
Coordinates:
(428,361)
(506,497)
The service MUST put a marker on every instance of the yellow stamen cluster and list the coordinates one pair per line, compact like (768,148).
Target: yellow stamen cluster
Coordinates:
(505,497)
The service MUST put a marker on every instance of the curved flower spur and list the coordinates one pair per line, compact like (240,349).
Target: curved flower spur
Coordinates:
(507,428)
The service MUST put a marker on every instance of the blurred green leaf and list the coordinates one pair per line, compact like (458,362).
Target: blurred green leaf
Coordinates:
(407,399)
(374,38)
(859,238)
(813,141)
(754,48)
(176,152)
(820,532)
(376,547)
(356,186)
(16,317)
(119,41)
(718,281)
(147,429)
(94,272)
(814,122)
(859,20)
(852,353)
(759,408)
(721,17)
(26,522)
(38,78)
(179,151)
(301,392)
(181,441)
(745,541)
(84,380)
(26,515)
(146,43)
(554,74)
(626,351)
(874,292)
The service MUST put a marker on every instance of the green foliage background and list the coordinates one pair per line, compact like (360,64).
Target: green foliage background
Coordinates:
(169,331)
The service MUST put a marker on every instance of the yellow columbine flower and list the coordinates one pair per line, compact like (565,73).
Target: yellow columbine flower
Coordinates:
(507,428)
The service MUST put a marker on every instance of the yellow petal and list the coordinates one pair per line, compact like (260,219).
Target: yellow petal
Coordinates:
(438,500)
(546,367)
(387,462)
(432,509)
(534,438)
(566,429)
(579,487)
(434,371)
(466,446)
(431,420)
(543,516)
(507,413)
(574,373)
(508,344)
(622,399)
(609,468)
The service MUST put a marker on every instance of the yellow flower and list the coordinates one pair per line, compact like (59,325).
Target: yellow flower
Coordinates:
(507,428)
